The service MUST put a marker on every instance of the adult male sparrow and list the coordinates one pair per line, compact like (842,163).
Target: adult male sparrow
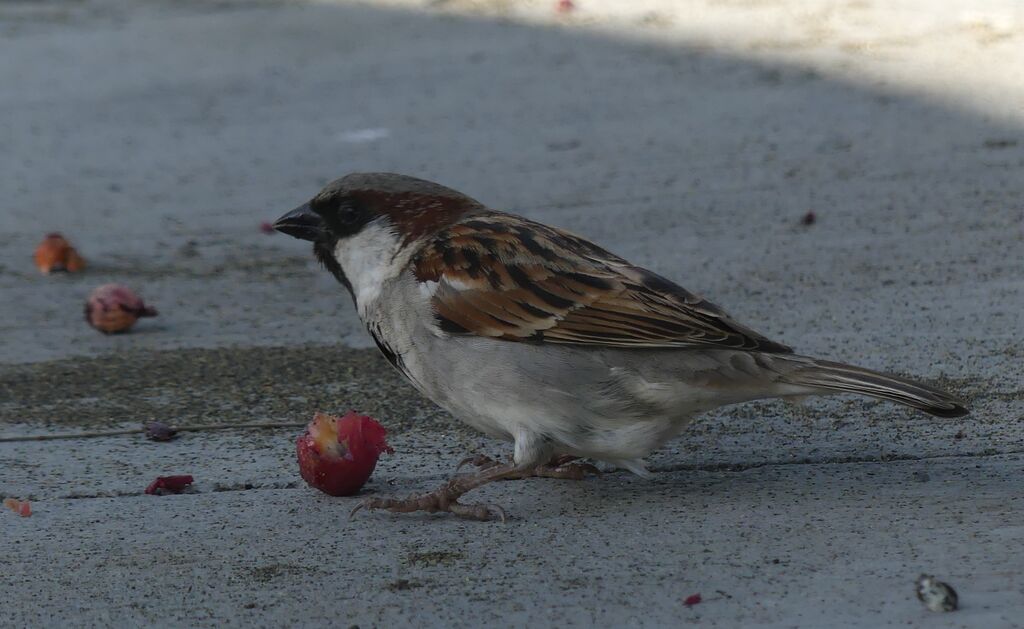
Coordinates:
(537,336)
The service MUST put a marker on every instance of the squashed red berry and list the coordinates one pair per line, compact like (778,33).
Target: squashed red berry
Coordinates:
(169,485)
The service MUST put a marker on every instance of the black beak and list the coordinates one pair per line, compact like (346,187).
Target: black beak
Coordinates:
(302,223)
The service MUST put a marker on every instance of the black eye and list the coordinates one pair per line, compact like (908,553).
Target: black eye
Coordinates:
(347,214)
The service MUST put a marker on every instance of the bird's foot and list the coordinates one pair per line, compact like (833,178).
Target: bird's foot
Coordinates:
(567,471)
(446,497)
(433,502)
(479,461)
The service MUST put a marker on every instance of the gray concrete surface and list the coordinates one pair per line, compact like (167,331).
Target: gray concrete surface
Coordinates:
(157,136)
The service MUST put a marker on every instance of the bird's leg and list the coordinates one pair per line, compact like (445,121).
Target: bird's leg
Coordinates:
(559,466)
(446,497)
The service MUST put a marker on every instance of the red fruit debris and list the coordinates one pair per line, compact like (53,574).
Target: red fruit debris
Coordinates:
(159,431)
(21,507)
(692,600)
(169,485)
(565,6)
(55,253)
(337,454)
(114,308)
(267,228)
(808,219)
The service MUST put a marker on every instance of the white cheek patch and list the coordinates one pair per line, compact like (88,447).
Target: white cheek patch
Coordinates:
(369,259)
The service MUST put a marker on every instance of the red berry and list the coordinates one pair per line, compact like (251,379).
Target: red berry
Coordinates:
(338,454)
(692,600)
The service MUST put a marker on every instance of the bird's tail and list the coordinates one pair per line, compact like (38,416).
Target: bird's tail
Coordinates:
(822,376)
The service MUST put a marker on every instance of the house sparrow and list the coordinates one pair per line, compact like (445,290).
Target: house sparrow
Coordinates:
(534,335)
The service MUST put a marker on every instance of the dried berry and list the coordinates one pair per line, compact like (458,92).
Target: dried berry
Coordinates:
(337,454)
(114,308)
(692,600)
(808,219)
(159,431)
(169,485)
(55,253)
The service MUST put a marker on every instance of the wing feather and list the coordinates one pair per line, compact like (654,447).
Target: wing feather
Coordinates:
(503,276)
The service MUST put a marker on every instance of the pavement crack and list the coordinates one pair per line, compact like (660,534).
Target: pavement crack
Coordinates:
(217,488)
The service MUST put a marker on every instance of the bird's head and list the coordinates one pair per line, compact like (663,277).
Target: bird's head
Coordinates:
(361,223)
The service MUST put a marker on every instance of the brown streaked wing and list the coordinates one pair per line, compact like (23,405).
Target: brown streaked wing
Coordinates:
(505,277)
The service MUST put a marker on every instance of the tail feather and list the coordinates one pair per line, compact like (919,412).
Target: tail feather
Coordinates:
(830,376)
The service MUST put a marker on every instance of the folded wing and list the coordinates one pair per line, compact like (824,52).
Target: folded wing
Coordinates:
(503,276)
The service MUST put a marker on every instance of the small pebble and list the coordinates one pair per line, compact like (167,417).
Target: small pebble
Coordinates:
(936,595)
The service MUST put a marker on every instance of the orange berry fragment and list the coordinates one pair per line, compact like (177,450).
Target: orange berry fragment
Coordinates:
(55,253)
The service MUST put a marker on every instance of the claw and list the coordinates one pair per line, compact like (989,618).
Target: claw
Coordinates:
(501,512)
(559,461)
(590,468)
(480,461)
(466,461)
(352,513)
(481,513)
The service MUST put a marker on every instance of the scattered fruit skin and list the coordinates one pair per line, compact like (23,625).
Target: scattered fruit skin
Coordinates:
(692,600)
(113,308)
(169,485)
(338,454)
(21,507)
(159,431)
(55,253)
